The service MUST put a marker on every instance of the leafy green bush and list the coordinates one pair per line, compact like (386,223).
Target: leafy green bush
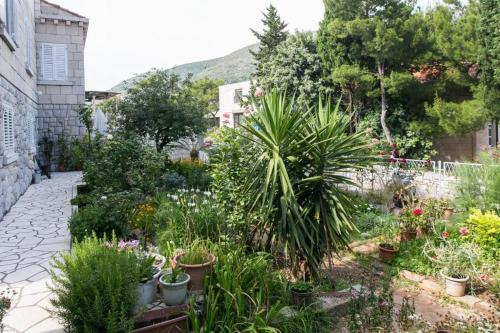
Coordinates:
(485,231)
(95,287)
(479,187)
(105,215)
(123,163)
(196,174)
(412,258)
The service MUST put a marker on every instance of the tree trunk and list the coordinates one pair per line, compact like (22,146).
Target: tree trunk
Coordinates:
(383,102)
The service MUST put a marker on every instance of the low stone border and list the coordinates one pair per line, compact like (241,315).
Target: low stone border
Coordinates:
(430,284)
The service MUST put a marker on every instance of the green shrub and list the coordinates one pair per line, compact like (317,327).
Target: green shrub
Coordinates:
(412,258)
(196,174)
(106,215)
(95,287)
(485,231)
(123,163)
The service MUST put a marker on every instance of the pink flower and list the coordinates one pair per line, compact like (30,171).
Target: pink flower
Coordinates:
(417,212)
(226,115)
(394,145)
(445,234)
(463,231)
(483,277)
(392,160)
(259,92)
(403,161)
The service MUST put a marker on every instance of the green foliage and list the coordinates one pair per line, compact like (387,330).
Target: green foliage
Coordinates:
(295,180)
(196,174)
(489,59)
(479,187)
(206,92)
(197,254)
(123,163)
(485,231)
(458,118)
(95,287)
(163,108)
(302,286)
(412,258)
(187,215)
(416,141)
(273,35)
(230,160)
(306,319)
(104,216)
(295,68)
(238,295)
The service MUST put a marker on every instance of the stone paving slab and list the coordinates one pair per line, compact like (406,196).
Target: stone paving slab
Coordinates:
(32,233)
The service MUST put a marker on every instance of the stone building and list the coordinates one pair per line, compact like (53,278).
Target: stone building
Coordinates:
(41,85)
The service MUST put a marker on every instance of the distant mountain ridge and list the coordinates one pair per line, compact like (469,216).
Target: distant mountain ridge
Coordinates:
(234,67)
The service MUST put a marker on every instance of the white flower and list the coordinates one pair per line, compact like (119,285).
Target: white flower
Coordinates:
(207,193)
(109,136)
(196,210)
(104,197)
(205,202)
(191,204)
(178,202)
(197,190)
(175,197)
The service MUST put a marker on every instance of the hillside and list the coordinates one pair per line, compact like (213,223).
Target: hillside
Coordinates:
(234,67)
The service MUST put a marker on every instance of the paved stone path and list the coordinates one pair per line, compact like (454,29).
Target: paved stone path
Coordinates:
(33,232)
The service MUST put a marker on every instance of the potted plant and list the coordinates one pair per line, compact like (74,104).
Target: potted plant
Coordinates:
(389,245)
(196,262)
(148,275)
(411,218)
(301,293)
(457,263)
(174,285)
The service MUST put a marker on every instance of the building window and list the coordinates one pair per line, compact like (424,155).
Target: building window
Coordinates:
(54,62)
(238,117)
(8,23)
(238,96)
(8,129)
(29,43)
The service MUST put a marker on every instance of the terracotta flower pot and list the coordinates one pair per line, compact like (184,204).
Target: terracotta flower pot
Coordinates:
(447,213)
(197,272)
(455,286)
(301,298)
(386,252)
(407,236)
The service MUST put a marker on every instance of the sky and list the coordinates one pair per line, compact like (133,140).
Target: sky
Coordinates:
(128,37)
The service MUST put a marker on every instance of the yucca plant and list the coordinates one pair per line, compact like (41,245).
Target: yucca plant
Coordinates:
(297,177)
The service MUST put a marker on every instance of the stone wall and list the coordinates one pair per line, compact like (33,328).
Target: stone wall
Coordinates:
(18,90)
(16,176)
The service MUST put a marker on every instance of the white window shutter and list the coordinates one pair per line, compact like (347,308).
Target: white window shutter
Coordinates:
(61,62)
(8,128)
(11,19)
(3,11)
(48,61)
(28,41)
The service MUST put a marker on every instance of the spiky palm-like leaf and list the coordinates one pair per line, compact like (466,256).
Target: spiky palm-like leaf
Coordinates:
(297,176)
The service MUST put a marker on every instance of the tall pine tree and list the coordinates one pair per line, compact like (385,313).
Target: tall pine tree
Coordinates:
(272,36)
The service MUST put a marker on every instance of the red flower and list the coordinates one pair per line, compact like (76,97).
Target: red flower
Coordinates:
(392,160)
(403,160)
(445,234)
(417,212)
(394,145)
(463,231)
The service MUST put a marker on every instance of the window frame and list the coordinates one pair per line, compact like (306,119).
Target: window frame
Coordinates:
(9,137)
(238,96)
(54,77)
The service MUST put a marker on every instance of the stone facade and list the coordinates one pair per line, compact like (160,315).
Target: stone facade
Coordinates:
(30,105)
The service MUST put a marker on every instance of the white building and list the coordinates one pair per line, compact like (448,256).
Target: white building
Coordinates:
(231,112)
